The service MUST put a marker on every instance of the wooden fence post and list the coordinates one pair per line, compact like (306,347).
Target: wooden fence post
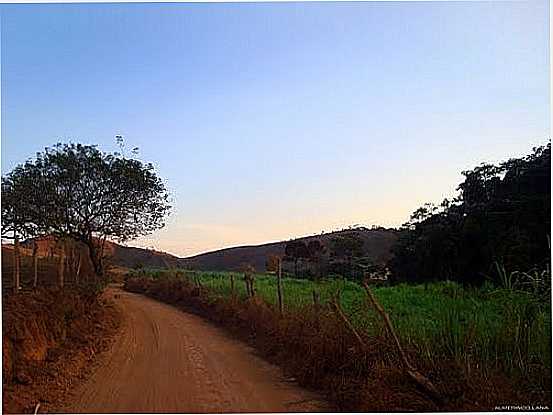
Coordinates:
(247,284)
(317,303)
(79,264)
(249,280)
(16,265)
(232,285)
(316,300)
(413,373)
(252,285)
(338,309)
(61,266)
(317,307)
(279,288)
(35,263)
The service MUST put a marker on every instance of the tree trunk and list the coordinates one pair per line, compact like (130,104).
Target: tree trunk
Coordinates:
(35,264)
(95,255)
(75,260)
(16,265)
(61,266)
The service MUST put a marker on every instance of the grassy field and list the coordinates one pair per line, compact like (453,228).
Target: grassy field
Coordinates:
(488,327)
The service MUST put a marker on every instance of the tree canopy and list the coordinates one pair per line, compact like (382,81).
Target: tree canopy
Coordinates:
(76,191)
(15,221)
(502,215)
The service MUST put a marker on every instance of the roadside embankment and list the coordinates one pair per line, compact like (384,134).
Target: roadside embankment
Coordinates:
(50,337)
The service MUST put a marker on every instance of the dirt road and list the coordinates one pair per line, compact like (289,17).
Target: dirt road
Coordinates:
(166,360)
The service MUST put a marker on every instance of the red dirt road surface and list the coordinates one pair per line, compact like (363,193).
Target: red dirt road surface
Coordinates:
(165,360)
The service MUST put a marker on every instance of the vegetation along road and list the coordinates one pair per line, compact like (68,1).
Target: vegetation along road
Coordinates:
(165,360)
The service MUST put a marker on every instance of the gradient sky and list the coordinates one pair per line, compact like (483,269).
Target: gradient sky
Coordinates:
(269,121)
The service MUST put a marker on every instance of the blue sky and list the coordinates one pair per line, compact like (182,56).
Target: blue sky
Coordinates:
(274,120)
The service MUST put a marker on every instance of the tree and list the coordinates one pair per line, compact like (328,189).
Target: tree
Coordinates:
(76,191)
(318,257)
(294,251)
(16,224)
(501,216)
(346,249)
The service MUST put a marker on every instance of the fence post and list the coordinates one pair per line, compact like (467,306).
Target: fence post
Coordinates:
(316,300)
(16,265)
(249,280)
(78,272)
(246,281)
(35,263)
(252,285)
(413,373)
(317,307)
(232,285)
(61,267)
(338,309)
(279,288)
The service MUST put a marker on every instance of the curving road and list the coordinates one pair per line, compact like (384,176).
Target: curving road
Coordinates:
(166,360)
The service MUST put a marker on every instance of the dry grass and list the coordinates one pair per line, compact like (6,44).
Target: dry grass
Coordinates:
(50,337)
(321,353)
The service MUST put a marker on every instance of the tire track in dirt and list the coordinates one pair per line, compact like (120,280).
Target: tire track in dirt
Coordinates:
(166,360)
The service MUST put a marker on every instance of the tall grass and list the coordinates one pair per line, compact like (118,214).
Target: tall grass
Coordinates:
(486,328)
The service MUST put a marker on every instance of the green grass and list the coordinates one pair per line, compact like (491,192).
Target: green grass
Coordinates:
(488,326)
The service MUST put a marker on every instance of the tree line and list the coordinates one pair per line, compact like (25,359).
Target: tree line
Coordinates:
(343,256)
(500,220)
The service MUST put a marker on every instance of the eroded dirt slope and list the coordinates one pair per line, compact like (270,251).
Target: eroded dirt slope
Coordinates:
(166,360)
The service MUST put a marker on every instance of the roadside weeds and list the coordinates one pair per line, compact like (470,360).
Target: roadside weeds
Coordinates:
(316,348)
(46,379)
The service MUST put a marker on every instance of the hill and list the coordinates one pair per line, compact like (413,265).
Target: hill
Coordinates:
(116,254)
(78,265)
(46,269)
(130,257)
(377,246)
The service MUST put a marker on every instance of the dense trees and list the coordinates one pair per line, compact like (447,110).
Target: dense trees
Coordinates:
(344,254)
(347,256)
(501,215)
(318,256)
(295,251)
(77,192)
(16,225)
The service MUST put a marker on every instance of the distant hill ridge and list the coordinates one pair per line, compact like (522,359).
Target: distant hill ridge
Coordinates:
(116,254)
(377,245)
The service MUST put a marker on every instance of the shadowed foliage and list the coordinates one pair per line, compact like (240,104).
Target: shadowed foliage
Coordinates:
(502,215)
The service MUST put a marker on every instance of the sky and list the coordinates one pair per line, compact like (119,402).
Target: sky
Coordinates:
(269,121)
